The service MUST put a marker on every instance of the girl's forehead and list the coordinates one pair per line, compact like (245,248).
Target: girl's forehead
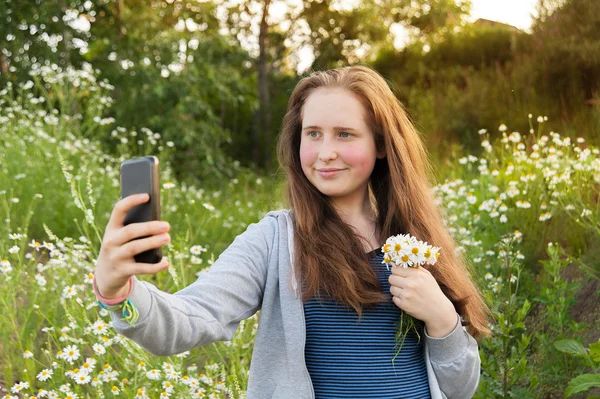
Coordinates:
(328,108)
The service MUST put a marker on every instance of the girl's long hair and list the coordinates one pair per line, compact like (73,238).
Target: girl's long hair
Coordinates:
(329,257)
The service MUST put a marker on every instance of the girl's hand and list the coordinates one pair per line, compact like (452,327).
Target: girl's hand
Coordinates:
(416,291)
(116,263)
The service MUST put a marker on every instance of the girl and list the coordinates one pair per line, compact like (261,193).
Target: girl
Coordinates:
(356,174)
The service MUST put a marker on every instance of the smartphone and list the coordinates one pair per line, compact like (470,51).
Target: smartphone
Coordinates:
(140,175)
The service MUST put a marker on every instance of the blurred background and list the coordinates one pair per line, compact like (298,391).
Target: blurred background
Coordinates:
(213,77)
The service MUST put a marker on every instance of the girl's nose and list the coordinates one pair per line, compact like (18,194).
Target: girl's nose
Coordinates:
(327,151)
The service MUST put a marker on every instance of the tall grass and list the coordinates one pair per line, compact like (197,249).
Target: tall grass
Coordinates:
(522,210)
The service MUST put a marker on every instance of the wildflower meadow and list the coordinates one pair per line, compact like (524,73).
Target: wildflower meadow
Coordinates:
(524,210)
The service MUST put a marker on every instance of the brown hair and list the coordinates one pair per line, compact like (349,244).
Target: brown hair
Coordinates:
(328,254)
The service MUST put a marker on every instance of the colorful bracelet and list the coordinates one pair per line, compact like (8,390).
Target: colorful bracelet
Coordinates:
(129,311)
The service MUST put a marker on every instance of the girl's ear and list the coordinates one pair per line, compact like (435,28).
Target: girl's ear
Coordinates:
(381,154)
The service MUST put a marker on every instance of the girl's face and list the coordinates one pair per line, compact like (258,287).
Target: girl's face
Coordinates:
(337,148)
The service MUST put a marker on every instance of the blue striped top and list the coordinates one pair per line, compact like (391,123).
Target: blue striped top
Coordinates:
(350,359)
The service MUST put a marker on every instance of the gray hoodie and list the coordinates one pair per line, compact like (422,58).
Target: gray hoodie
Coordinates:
(256,272)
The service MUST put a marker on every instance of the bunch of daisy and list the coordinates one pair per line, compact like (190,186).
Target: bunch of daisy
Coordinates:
(404,250)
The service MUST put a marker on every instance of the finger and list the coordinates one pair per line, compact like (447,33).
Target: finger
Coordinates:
(142,230)
(403,272)
(395,291)
(397,281)
(124,205)
(135,247)
(147,268)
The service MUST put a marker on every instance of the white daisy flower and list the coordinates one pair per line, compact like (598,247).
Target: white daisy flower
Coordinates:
(71,353)
(82,377)
(99,349)
(153,374)
(44,374)
(99,327)
(18,387)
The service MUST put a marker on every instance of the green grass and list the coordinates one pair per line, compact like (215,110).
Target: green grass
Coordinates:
(58,186)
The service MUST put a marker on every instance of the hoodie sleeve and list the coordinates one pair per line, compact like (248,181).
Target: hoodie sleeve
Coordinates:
(211,308)
(455,361)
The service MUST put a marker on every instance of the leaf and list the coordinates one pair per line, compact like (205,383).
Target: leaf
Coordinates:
(582,383)
(595,351)
(570,346)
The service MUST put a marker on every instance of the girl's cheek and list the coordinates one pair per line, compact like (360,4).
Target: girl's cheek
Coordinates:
(307,154)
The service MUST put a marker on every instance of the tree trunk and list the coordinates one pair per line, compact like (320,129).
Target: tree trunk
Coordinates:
(263,91)
(3,65)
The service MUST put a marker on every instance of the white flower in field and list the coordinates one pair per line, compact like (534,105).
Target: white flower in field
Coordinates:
(164,394)
(141,393)
(503,218)
(502,128)
(168,387)
(88,365)
(52,395)
(41,280)
(99,349)
(203,378)
(44,374)
(18,387)
(530,116)
(15,200)
(5,267)
(586,212)
(197,249)
(463,160)
(27,354)
(99,327)
(141,366)
(81,378)
(471,199)
(208,206)
(71,353)
(69,291)
(540,119)
(35,244)
(482,131)
(115,390)
(545,216)
(13,250)
(153,374)
(88,278)
(168,185)
(196,260)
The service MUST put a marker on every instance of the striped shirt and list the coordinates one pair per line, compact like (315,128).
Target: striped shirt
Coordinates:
(348,359)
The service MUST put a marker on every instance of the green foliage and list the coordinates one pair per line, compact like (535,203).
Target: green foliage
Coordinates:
(583,382)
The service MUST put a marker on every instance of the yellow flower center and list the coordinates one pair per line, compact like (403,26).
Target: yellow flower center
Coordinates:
(397,247)
(415,250)
(405,258)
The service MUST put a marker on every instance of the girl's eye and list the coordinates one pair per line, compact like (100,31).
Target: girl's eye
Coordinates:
(311,133)
(348,134)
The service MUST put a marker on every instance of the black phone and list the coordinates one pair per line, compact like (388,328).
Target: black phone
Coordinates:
(140,175)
